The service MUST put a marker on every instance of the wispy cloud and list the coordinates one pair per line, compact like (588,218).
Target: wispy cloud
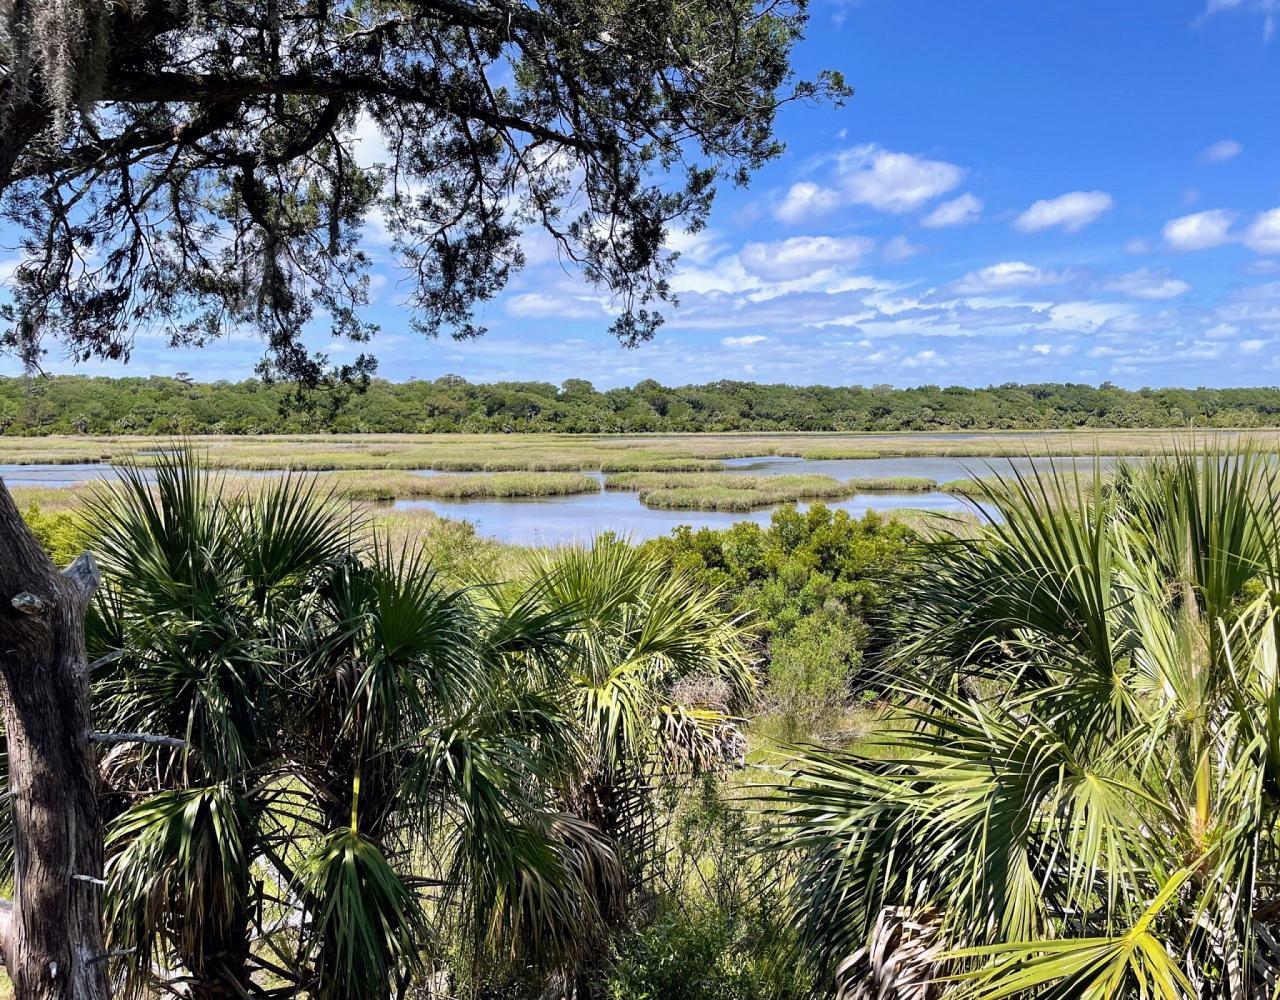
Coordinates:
(1221,151)
(1269,9)
(956,212)
(1146,284)
(1200,230)
(1069,212)
(1007,276)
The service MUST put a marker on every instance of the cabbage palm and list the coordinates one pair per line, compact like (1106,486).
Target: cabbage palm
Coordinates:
(349,750)
(1076,794)
(642,629)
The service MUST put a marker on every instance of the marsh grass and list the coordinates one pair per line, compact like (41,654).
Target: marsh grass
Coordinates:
(660,465)
(578,452)
(892,484)
(834,453)
(406,485)
(970,487)
(50,499)
(726,491)
(733,491)
(363,485)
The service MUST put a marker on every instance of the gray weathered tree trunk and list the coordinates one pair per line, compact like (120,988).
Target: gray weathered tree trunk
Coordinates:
(51,932)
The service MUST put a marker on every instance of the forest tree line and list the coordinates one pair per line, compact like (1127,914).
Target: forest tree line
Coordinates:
(71,404)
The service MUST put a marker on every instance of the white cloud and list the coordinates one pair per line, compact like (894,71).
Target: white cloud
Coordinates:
(1041,348)
(1250,346)
(697,247)
(798,256)
(746,341)
(923,359)
(956,212)
(1145,284)
(1267,8)
(899,248)
(368,146)
(1221,151)
(893,182)
(1071,211)
(543,305)
(1263,234)
(805,200)
(1007,276)
(883,179)
(1137,245)
(1200,230)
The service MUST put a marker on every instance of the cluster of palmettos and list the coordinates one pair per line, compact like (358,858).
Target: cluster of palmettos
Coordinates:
(1078,792)
(357,781)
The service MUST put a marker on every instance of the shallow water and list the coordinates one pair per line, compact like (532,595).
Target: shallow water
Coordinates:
(578,519)
(564,520)
(56,475)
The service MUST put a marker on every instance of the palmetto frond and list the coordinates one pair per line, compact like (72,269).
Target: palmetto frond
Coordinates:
(640,628)
(1081,784)
(178,877)
(366,925)
(350,727)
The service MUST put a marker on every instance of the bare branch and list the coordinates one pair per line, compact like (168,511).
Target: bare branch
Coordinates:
(148,738)
(83,575)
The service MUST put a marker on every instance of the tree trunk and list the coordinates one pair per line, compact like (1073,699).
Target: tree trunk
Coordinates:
(51,934)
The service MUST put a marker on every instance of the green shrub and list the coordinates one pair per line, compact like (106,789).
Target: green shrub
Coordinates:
(61,533)
(811,673)
(720,931)
(817,584)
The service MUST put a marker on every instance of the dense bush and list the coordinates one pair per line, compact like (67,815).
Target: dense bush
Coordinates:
(61,533)
(814,581)
(720,931)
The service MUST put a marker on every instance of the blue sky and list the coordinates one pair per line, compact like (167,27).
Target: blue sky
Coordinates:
(1066,190)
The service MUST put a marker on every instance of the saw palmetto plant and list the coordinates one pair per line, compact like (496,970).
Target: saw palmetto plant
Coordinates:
(1076,791)
(344,758)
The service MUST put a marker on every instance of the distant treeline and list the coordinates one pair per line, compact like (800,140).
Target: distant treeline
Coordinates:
(159,405)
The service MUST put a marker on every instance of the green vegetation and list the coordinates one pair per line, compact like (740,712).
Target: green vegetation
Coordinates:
(725,491)
(1059,725)
(394,486)
(689,453)
(818,583)
(891,484)
(340,727)
(970,487)
(720,930)
(1078,794)
(146,406)
(359,486)
(837,452)
(742,491)
(61,531)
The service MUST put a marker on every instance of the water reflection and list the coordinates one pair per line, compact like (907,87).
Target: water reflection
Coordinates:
(578,519)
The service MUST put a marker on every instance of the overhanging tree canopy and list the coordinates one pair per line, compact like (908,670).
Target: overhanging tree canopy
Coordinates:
(191,168)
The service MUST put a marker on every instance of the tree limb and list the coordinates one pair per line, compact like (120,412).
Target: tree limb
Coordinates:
(188,87)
